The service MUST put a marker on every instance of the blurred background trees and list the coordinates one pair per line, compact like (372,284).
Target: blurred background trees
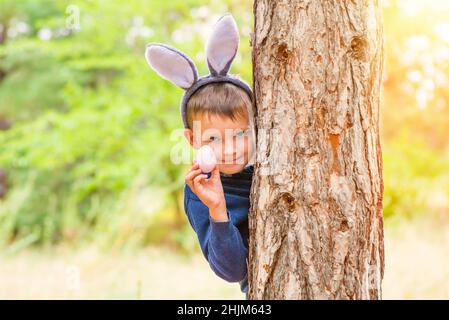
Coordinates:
(87,130)
(90,127)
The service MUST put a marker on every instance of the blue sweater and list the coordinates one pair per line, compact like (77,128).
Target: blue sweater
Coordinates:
(224,244)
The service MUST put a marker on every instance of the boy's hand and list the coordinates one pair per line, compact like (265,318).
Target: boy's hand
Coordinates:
(210,191)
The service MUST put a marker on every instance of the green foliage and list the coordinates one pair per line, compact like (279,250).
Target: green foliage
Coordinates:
(416,178)
(93,125)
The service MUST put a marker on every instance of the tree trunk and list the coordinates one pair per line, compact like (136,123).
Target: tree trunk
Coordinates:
(316,226)
(3,33)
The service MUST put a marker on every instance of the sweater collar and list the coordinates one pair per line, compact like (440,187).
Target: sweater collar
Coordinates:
(248,169)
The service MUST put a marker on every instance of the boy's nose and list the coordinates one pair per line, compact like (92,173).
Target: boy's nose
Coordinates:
(229,152)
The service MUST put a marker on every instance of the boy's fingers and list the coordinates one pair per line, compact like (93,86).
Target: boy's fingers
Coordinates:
(215,173)
(194,167)
(199,178)
(192,174)
(189,178)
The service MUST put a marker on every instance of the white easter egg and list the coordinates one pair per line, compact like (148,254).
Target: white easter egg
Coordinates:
(206,159)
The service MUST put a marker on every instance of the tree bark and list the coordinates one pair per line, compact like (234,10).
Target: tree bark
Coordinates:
(316,225)
(3,36)
(3,33)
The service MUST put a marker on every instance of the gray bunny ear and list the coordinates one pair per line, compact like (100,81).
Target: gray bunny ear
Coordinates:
(171,64)
(222,45)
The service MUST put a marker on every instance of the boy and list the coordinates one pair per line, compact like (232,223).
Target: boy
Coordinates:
(217,110)
(217,207)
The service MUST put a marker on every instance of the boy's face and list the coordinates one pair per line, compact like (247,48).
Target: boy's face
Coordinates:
(232,141)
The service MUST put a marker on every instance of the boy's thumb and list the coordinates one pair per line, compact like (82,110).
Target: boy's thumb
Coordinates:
(216,172)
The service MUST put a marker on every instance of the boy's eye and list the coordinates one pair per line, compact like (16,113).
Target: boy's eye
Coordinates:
(241,133)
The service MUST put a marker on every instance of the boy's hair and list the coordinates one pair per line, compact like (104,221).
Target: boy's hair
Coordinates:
(220,99)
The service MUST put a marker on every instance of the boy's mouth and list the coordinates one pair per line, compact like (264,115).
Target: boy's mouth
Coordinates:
(235,161)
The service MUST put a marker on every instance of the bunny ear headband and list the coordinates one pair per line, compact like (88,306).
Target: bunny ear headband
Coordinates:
(173,65)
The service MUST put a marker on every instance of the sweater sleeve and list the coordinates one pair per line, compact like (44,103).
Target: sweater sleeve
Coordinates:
(220,241)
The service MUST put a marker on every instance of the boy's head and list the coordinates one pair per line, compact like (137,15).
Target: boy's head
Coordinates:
(217,102)
(221,115)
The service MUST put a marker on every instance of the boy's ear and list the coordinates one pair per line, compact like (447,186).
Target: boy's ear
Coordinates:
(188,133)
(189,136)
(171,64)
(222,45)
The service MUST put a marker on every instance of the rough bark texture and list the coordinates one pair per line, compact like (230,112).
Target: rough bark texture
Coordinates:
(316,226)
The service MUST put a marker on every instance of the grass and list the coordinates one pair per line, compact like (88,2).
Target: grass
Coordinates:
(417,259)
(151,273)
(417,267)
